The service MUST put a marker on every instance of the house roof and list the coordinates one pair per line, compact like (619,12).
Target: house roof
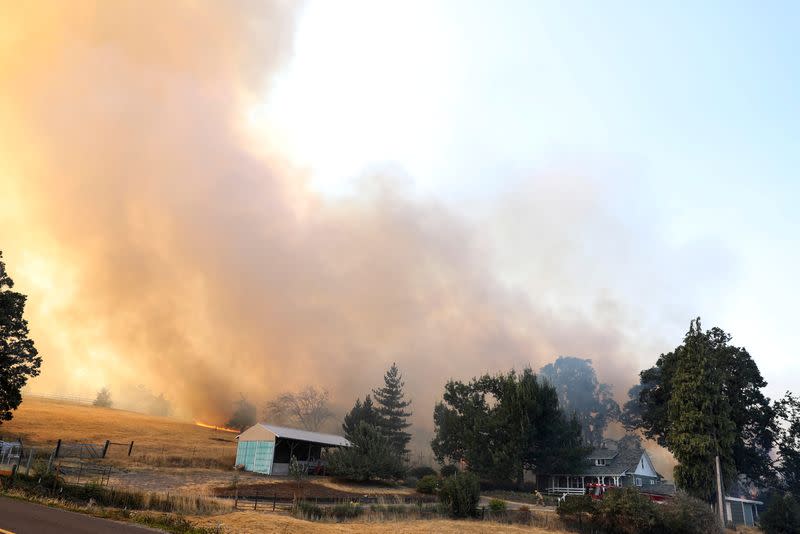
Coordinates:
(306,435)
(625,460)
(740,499)
(603,454)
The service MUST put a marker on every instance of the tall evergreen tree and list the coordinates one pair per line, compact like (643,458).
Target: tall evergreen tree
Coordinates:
(392,407)
(700,422)
(19,359)
(788,412)
(362,412)
(734,375)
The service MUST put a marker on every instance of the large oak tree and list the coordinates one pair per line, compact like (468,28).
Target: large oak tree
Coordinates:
(505,424)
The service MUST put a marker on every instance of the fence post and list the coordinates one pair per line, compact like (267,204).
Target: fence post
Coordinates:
(105,448)
(13,475)
(53,456)
(274,500)
(30,457)
(130,449)
(255,506)
(80,470)
(55,478)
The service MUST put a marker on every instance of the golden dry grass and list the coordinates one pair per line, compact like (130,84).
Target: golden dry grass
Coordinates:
(42,422)
(252,522)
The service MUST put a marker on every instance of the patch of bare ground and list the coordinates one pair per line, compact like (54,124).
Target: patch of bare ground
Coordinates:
(364,488)
(253,522)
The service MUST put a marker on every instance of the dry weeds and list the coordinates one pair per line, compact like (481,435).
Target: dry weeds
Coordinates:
(252,522)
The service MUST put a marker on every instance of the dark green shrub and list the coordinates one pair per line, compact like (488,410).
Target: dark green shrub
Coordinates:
(461,493)
(497,505)
(372,456)
(422,471)
(782,516)
(448,471)
(576,509)
(428,484)
(686,515)
(625,511)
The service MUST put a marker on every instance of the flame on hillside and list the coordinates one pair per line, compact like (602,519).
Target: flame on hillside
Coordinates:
(215,427)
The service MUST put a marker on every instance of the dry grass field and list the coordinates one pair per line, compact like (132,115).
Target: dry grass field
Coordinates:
(42,422)
(252,522)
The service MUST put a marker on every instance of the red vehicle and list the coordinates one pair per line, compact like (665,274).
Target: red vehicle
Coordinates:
(597,490)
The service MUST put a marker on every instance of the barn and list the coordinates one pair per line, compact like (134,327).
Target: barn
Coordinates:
(265,448)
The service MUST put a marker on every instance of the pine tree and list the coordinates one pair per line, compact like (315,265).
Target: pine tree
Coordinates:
(391,406)
(700,418)
(19,359)
(365,412)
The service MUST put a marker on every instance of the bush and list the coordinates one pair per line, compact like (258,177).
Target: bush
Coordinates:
(103,399)
(497,506)
(461,493)
(686,515)
(422,471)
(448,471)
(428,484)
(307,510)
(782,516)
(574,507)
(371,457)
(625,511)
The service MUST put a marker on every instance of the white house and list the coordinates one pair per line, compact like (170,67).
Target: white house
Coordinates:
(611,467)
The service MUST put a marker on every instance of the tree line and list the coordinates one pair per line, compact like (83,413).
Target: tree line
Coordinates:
(704,399)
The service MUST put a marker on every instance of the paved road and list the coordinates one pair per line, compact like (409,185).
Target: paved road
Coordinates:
(20,517)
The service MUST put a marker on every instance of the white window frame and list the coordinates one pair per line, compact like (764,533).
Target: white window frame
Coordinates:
(639,481)
(600,462)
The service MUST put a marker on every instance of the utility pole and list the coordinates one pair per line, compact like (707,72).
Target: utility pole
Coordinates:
(718,470)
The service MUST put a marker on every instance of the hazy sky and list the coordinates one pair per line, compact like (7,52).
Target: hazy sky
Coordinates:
(211,198)
(685,114)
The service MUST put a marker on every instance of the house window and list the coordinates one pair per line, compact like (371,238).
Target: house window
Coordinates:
(638,481)
(600,461)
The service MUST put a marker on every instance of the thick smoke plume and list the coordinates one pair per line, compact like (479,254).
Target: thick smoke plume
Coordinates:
(160,246)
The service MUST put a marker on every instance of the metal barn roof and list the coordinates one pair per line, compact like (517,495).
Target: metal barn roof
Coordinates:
(306,435)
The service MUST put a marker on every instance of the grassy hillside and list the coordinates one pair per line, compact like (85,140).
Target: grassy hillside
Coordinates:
(42,423)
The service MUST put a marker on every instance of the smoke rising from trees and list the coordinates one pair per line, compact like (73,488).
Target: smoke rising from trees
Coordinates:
(160,243)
